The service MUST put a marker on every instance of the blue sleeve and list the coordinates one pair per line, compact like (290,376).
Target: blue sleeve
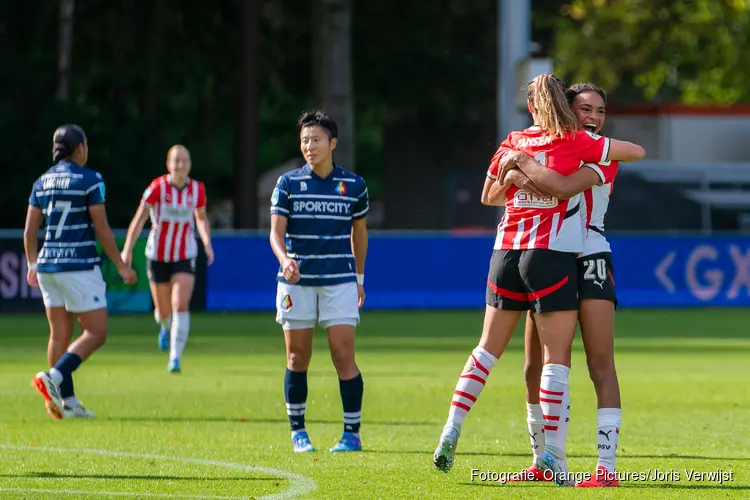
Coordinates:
(33,200)
(362,206)
(280,197)
(96,193)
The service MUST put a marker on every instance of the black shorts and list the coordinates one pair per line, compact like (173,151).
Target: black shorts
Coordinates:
(541,280)
(596,277)
(161,272)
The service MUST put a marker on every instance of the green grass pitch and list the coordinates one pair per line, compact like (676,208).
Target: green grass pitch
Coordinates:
(220,430)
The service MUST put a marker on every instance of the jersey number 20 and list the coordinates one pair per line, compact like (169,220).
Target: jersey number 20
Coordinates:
(598,265)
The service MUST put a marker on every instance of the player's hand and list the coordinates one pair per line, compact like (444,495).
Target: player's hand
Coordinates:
(290,269)
(32,279)
(209,254)
(508,163)
(519,179)
(128,275)
(127,258)
(360,295)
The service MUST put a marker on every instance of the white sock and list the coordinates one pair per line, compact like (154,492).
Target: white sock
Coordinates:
(71,401)
(165,322)
(554,397)
(55,375)
(535,421)
(608,422)
(179,334)
(470,385)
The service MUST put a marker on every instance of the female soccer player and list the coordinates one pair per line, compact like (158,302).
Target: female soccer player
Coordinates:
(319,236)
(596,293)
(69,200)
(174,201)
(533,265)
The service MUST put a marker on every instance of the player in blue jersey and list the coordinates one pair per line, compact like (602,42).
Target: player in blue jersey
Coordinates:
(69,200)
(319,236)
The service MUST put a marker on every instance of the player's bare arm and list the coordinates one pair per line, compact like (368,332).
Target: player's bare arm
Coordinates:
(359,249)
(624,151)
(34,220)
(134,230)
(204,230)
(555,184)
(289,267)
(107,238)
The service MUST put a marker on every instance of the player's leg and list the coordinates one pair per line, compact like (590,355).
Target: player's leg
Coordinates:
(505,303)
(339,315)
(56,316)
(296,312)
(159,277)
(182,283)
(551,279)
(532,373)
(62,325)
(597,320)
(84,294)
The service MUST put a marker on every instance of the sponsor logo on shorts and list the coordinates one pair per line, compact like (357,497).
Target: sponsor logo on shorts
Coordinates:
(286,303)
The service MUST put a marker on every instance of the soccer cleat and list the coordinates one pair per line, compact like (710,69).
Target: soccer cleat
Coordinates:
(77,411)
(555,468)
(349,442)
(164,339)
(51,393)
(602,478)
(301,442)
(174,366)
(443,457)
(532,473)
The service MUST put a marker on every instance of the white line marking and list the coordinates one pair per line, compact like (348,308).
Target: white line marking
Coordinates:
(299,485)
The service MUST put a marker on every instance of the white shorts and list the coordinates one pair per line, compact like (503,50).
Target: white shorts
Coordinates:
(300,307)
(77,291)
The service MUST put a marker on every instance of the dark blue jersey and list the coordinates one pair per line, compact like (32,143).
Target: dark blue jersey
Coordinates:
(64,194)
(320,214)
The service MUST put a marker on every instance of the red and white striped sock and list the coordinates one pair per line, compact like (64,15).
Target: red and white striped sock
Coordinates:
(470,385)
(554,397)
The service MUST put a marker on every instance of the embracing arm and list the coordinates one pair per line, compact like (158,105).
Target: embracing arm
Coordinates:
(561,186)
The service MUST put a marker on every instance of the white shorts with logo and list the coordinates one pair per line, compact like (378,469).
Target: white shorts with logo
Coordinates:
(301,307)
(77,291)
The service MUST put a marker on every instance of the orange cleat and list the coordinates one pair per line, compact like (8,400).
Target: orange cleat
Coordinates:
(602,478)
(533,473)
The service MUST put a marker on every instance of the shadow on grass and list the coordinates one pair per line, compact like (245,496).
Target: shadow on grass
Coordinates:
(573,455)
(241,420)
(145,477)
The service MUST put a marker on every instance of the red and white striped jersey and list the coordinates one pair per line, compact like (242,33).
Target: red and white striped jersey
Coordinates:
(531,222)
(596,200)
(172,236)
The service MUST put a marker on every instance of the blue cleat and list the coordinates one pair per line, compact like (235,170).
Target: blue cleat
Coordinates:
(301,442)
(164,339)
(174,366)
(349,442)
(443,457)
(554,468)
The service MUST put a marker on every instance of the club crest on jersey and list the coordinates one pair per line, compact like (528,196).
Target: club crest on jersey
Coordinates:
(286,303)
(524,199)
(303,186)
(341,188)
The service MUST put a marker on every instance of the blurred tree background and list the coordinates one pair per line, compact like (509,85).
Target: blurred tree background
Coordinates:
(229,79)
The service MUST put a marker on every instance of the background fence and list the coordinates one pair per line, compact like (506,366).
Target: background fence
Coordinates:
(429,271)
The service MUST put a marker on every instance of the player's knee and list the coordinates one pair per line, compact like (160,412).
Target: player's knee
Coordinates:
(298,360)
(343,358)
(601,368)
(181,307)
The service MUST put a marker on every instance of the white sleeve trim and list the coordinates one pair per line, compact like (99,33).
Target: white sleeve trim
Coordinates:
(598,171)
